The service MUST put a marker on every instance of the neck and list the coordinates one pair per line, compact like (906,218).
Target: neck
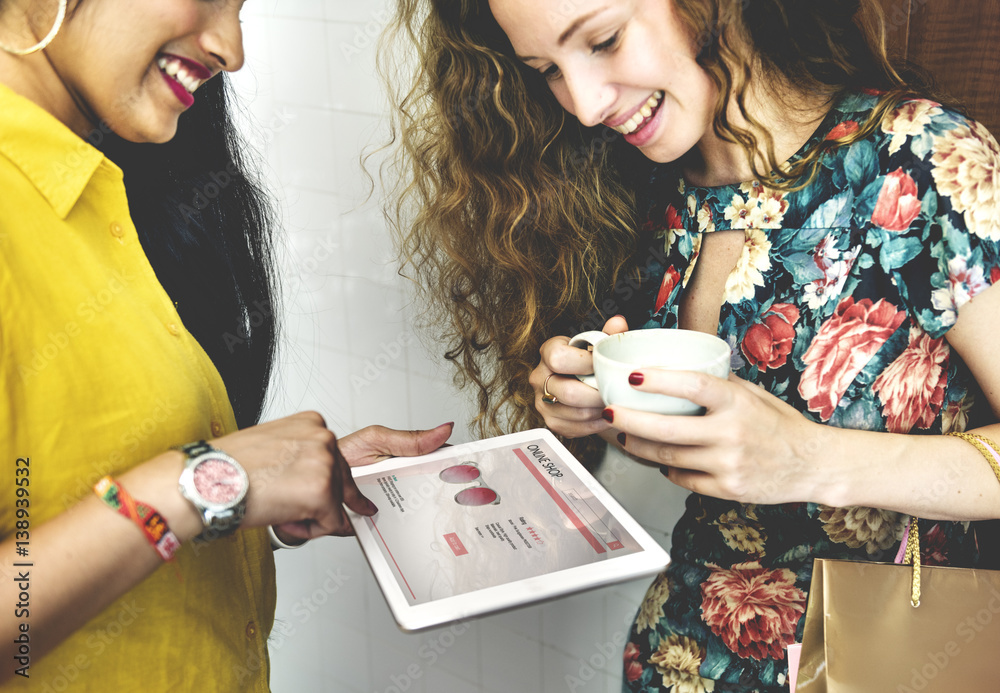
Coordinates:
(716,162)
(33,77)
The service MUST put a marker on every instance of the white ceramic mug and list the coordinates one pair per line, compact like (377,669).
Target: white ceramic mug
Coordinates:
(618,355)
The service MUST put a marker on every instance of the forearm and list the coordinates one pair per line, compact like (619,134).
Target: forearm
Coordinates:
(933,477)
(84,559)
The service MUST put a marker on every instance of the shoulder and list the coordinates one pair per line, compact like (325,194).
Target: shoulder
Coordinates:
(914,128)
(922,129)
(950,155)
(936,160)
(914,116)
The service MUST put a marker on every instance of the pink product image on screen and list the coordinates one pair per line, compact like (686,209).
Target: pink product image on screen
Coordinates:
(466,473)
(460,473)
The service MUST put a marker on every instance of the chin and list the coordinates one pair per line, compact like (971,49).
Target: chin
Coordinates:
(147,135)
(665,152)
(660,157)
(158,131)
(162,138)
(146,125)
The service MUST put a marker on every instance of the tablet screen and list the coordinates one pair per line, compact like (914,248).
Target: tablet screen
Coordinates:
(490,514)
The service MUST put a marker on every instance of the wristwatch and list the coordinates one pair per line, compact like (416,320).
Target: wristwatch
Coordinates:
(217,486)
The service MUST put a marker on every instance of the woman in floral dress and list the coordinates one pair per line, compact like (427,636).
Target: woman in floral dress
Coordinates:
(840,305)
(798,196)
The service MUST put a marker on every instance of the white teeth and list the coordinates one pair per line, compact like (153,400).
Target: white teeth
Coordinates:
(633,123)
(176,69)
(189,82)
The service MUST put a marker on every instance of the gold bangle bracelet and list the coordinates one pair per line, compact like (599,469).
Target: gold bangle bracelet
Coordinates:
(985,446)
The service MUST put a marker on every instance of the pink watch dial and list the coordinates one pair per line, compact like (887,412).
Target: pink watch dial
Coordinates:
(217,481)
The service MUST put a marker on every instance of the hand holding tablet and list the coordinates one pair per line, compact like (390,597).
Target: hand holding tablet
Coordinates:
(491,525)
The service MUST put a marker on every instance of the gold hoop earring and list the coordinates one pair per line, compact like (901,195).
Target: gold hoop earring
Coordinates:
(60,16)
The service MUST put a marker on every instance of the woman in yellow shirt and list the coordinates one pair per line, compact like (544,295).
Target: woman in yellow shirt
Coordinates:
(136,316)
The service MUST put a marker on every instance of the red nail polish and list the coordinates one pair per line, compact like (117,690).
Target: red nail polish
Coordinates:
(635,378)
(621,439)
(608,415)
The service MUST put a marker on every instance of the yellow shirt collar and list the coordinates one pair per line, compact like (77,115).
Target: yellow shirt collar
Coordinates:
(57,161)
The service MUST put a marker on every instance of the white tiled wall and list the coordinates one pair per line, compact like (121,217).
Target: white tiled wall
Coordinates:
(350,352)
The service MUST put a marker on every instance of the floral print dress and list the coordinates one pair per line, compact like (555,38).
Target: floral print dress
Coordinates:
(839,305)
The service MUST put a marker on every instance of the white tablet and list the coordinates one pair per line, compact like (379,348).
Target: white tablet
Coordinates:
(491,525)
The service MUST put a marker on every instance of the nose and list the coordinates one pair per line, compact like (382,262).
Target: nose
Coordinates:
(589,97)
(222,38)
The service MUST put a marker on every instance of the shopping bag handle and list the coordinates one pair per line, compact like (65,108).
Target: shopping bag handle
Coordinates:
(911,555)
(911,537)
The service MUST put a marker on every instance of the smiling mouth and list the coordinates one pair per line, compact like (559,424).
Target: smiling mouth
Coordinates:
(177,71)
(641,117)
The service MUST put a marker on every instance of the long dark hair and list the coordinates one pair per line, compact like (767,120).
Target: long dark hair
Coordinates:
(206,226)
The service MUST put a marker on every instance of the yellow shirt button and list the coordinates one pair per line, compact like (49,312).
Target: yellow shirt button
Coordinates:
(173,329)
(216,429)
(251,629)
(117,230)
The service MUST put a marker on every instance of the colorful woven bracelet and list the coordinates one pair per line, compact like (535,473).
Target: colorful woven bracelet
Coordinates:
(152,524)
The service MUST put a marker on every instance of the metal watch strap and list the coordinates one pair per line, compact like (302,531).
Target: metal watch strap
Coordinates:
(192,450)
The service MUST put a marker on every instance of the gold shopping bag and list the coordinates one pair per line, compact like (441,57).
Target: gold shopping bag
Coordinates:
(863,634)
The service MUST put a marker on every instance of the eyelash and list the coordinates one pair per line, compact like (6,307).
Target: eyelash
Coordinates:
(606,45)
(552,72)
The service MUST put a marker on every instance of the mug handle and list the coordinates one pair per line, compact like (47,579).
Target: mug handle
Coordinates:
(582,341)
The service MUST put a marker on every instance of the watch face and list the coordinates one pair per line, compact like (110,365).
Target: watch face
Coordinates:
(217,481)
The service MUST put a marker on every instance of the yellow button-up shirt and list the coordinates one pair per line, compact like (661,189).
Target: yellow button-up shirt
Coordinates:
(98,375)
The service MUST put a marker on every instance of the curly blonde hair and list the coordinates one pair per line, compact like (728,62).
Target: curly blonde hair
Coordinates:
(515,221)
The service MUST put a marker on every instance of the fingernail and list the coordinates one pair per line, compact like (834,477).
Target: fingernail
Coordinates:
(608,415)
(636,378)
(450,423)
(372,507)
(621,439)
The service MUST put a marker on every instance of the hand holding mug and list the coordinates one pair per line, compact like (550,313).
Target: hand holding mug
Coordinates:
(747,447)
(569,407)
